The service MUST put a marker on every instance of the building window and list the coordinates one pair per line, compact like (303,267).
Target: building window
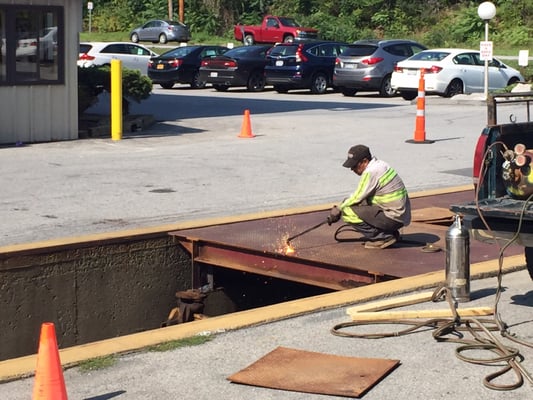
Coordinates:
(32,45)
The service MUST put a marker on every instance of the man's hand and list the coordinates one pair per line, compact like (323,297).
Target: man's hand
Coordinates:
(334,215)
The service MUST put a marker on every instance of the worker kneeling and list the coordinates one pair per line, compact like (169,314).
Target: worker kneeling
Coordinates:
(380,205)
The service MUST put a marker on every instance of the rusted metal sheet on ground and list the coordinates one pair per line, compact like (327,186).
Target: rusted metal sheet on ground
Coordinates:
(311,372)
(332,256)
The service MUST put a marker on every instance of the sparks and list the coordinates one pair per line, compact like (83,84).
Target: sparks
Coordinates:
(289,249)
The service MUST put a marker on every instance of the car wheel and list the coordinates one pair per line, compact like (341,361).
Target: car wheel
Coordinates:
(167,85)
(196,83)
(163,38)
(455,87)
(408,94)
(134,38)
(288,39)
(248,40)
(281,89)
(350,92)
(221,88)
(319,84)
(512,81)
(386,89)
(256,82)
(528,251)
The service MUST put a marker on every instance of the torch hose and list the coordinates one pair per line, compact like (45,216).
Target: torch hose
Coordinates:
(306,231)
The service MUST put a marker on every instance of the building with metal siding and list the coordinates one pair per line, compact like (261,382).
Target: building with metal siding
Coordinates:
(39,92)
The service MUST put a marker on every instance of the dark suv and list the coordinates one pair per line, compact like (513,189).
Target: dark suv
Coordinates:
(302,65)
(367,65)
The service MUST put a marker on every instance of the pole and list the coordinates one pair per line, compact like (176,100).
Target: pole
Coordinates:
(90,6)
(116,99)
(486,87)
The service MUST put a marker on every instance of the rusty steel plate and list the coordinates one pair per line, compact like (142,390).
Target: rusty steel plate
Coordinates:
(311,372)
(260,244)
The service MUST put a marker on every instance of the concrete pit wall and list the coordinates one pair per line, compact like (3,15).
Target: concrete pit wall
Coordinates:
(90,290)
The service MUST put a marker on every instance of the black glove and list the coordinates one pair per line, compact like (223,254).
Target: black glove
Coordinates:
(334,215)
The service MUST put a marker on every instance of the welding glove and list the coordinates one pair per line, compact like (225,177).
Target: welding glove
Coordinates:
(334,215)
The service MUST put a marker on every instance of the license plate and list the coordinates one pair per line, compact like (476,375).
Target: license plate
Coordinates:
(411,72)
(279,63)
(352,66)
(160,66)
(213,74)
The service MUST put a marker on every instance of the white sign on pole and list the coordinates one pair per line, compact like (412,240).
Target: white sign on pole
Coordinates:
(523,58)
(485,50)
(90,5)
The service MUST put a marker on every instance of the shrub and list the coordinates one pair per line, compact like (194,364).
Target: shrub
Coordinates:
(93,81)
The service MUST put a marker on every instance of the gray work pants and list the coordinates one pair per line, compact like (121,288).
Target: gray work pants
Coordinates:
(376,225)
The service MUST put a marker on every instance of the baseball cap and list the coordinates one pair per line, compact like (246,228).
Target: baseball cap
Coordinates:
(356,154)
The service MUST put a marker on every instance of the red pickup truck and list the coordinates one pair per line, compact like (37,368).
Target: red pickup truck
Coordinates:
(273,30)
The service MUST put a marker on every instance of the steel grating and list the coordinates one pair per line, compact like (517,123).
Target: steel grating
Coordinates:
(258,246)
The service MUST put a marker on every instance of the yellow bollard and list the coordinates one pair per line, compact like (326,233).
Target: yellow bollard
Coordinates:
(116,99)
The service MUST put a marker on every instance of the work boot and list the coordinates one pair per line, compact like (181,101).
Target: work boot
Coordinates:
(380,244)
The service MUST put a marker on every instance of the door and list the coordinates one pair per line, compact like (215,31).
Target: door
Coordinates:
(469,72)
(498,77)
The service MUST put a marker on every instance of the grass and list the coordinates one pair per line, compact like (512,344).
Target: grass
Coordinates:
(97,363)
(124,37)
(176,344)
(108,361)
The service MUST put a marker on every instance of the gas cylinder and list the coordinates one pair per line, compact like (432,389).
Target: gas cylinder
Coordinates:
(458,261)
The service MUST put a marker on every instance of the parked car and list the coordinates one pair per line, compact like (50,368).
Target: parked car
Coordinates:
(367,65)
(241,66)
(161,31)
(272,30)
(181,65)
(133,56)
(306,65)
(448,72)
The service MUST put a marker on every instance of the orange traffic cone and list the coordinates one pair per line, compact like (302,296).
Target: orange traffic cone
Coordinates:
(49,382)
(246,129)
(420,123)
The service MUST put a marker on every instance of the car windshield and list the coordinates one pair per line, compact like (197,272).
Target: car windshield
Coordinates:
(179,52)
(288,21)
(430,56)
(359,50)
(238,51)
(84,48)
(283,51)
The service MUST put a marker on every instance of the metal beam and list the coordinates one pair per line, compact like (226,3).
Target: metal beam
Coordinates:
(277,265)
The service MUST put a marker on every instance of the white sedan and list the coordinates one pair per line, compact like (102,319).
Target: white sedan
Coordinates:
(133,56)
(448,72)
